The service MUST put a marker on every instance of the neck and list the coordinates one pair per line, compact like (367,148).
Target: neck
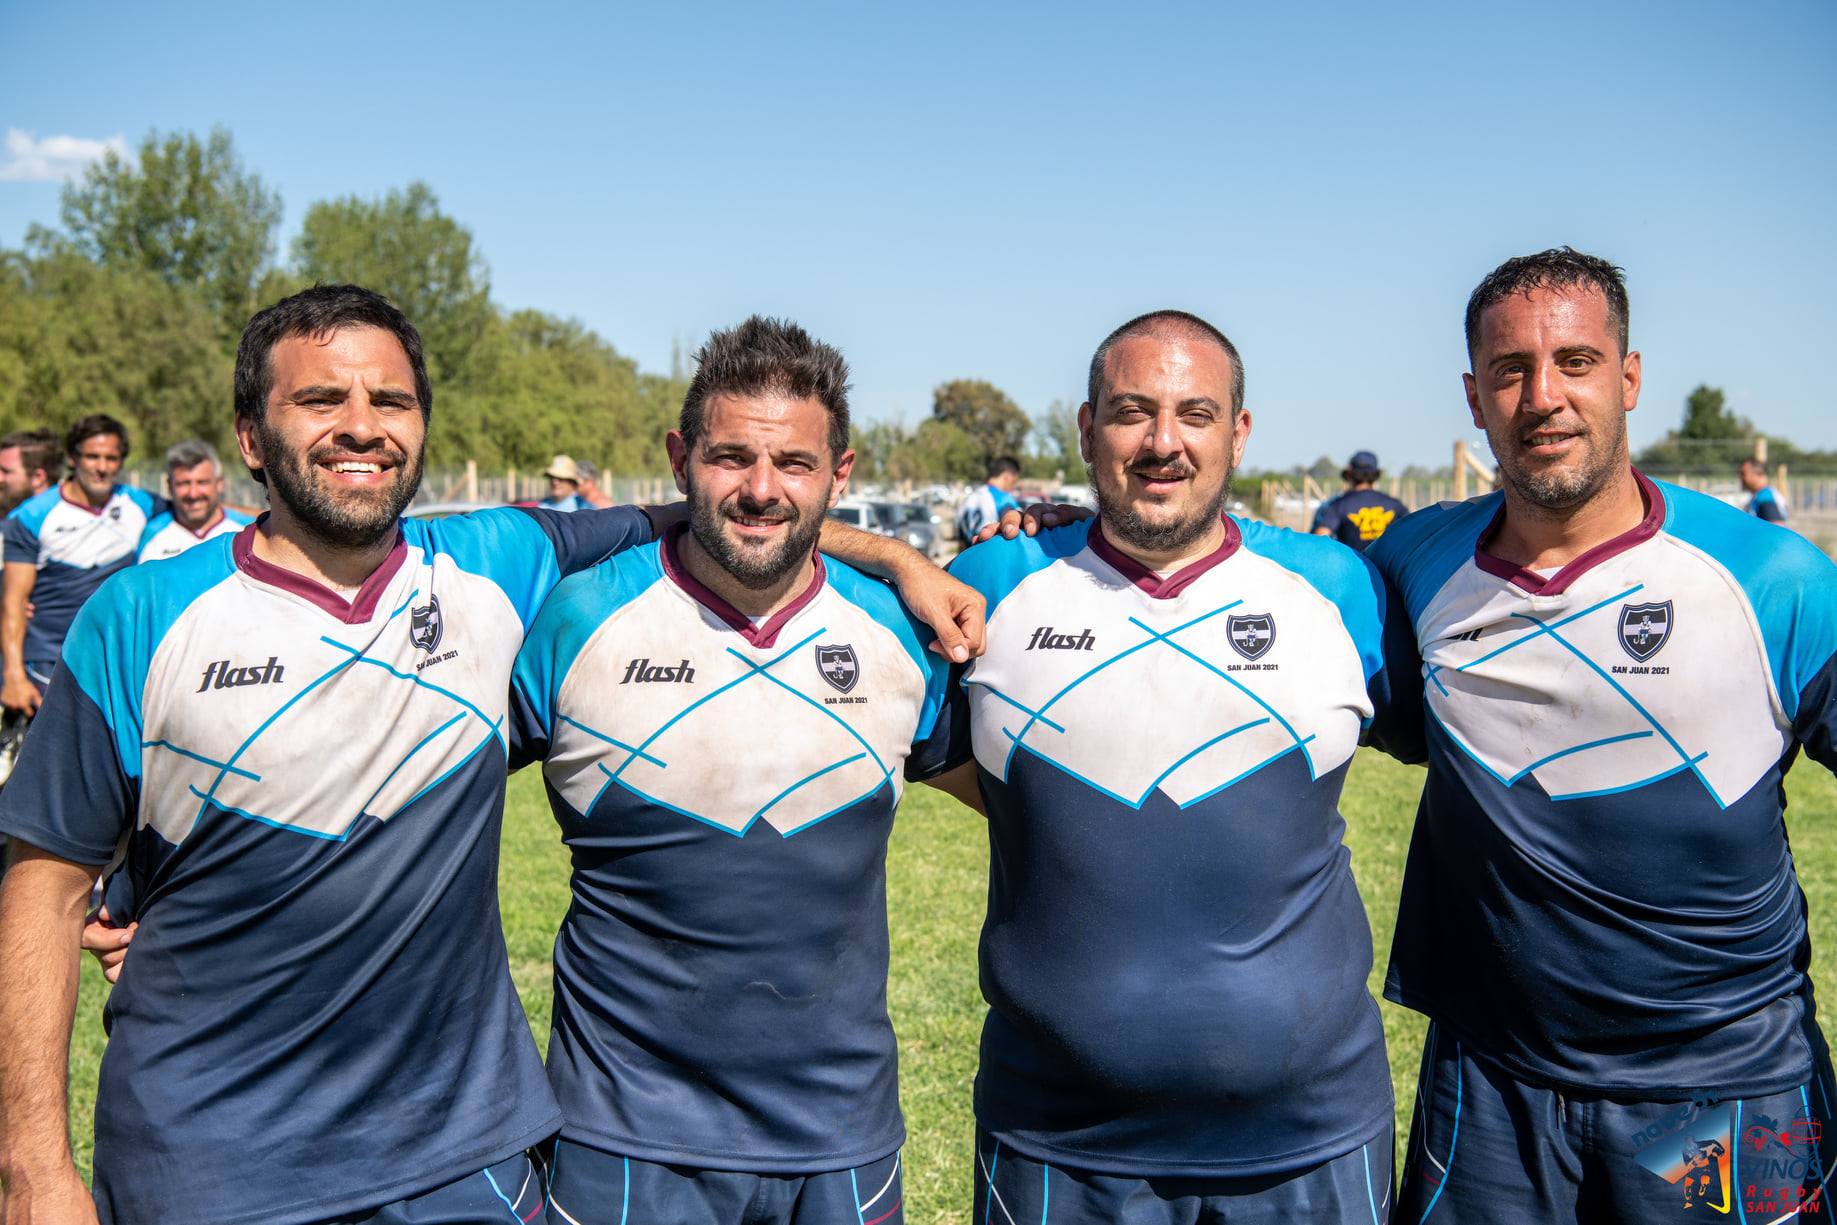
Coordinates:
(1539,538)
(753,601)
(284,541)
(73,490)
(1171,559)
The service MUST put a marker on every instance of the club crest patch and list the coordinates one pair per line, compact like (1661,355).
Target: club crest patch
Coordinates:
(1252,635)
(1644,628)
(424,625)
(838,666)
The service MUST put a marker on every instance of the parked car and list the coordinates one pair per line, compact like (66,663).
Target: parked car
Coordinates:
(907,521)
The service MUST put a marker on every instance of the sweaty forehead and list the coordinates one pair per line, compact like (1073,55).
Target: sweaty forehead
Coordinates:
(1547,318)
(767,420)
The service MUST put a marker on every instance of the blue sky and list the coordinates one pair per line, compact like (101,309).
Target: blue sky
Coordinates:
(983,191)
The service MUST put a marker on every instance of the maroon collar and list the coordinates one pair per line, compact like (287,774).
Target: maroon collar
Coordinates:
(762,635)
(94,510)
(1558,583)
(204,532)
(1157,587)
(354,611)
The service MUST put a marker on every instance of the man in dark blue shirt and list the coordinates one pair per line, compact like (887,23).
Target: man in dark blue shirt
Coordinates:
(1361,514)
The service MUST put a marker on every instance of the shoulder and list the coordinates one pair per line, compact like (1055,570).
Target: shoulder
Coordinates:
(150,504)
(1420,551)
(996,567)
(31,513)
(1758,553)
(601,590)
(1338,573)
(239,518)
(157,524)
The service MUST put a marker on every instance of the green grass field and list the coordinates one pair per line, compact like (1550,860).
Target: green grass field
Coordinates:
(936,887)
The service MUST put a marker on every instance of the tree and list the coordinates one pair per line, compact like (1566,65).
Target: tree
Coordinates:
(406,249)
(994,424)
(186,213)
(1056,433)
(1707,417)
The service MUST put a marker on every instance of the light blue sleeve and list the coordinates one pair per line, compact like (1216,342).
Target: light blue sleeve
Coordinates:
(996,567)
(881,603)
(1419,553)
(155,526)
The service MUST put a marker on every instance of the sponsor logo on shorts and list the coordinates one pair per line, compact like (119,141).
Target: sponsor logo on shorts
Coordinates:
(1693,1148)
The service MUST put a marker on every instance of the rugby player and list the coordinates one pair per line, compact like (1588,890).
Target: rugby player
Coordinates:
(30,462)
(1763,503)
(1600,913)
(194,478)
(61,545)
(298,732)
(725,717)
(986,503)
(1175,954)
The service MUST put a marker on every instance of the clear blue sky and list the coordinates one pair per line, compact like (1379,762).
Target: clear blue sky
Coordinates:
(983,191)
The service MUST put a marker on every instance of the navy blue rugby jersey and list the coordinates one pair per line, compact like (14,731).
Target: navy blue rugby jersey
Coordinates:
(1175,954)
(1599,891)
(727,791)
(76,548)
(317,1016)
(1358,517)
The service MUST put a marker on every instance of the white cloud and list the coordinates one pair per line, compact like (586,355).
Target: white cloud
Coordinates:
(54,158)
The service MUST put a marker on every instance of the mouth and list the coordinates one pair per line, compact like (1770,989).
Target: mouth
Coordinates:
(757,524)
(356,473)
(1162,480)
(1548,443)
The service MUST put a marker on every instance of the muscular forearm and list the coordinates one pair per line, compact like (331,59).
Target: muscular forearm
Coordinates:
(42,902)
(881,556)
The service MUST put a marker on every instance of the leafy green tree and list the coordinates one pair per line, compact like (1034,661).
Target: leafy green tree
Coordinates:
(77,337)
(993,423)
(1056,434)
(1707,417)
(186,212)
(406,249)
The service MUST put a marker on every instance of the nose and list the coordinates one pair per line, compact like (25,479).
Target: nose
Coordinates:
(1164,439)
(360,423)
(1543,393)
(761,483)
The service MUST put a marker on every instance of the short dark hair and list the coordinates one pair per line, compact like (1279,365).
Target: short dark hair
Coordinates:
(1004,463)
(96,425)
(1167,322)
(316,312)
(764,356)
(39,450)
(1557,268)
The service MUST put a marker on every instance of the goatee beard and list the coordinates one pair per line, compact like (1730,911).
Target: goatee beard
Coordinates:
(755,569)
(1125,525)
(353,522)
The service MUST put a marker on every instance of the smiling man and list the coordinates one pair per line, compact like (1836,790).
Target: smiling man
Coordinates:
(194,477)
(61,545)
(728,719)
(1600,913)
(1175,953)
(297,733)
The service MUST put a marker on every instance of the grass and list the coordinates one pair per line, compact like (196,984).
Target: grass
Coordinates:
(937,880)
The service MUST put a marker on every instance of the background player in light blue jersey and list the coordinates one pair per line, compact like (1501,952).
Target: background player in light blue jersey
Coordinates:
(296,734)
(1763,502)
(986,503)
(60,545)
(1600,914)
(194,478)
(1175,954)
(727,719)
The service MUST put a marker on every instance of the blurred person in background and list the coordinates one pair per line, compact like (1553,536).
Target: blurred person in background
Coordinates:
(194,479)
(1764,504)
(986,502)
(1359,515)
(30,463)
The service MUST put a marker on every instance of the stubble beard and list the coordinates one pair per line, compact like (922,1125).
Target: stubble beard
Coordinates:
(1126,525)
(356,521)
(759,568)
(1558,490)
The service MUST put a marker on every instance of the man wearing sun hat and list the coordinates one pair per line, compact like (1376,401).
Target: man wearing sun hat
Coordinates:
(564,485)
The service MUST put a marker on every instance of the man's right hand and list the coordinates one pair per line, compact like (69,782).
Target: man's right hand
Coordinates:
(19,693)
(108,944)
(64,1200)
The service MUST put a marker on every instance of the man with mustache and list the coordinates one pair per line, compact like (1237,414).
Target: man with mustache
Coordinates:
(1175,952)
(1600,914)
(727,718)
(297,734)
(194,475)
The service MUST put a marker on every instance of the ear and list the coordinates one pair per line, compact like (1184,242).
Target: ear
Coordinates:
(1473,400)
(1085,417)
(1240,437)
(679,459)
(1630,380)
(248,441)
(844,466)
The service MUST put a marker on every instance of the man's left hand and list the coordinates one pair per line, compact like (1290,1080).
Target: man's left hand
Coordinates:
(1036,516)
(953,610)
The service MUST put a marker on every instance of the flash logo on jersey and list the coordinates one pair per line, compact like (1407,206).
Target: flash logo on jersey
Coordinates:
(640,672)
(424,627)
(227,677)
(1251,636)
(838,666)
(1644,628)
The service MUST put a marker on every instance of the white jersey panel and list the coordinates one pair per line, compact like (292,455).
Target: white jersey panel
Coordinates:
(175,537)
(1257,661)
(227,711)
(713,746)
(84,539)
(1647,676)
